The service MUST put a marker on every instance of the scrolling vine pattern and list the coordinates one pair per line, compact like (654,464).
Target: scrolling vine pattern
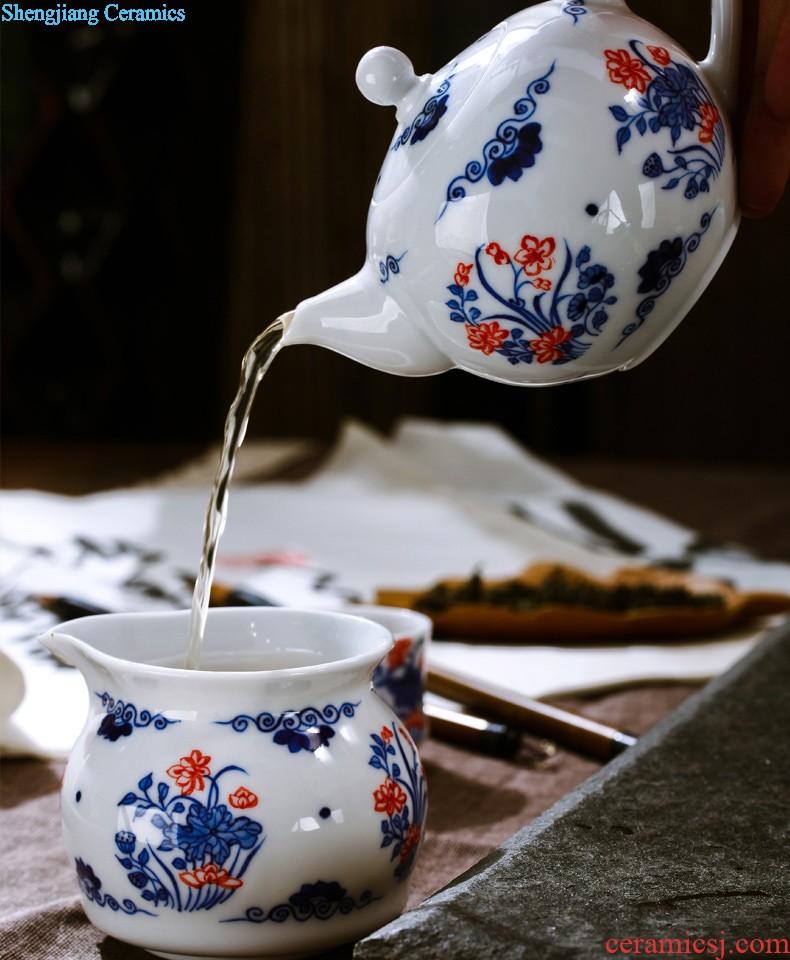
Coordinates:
(575,10)
(123,718)
(511,150)
(313,901)
(661,267)
(427,119)
(305,729)
(390,266)
(91,886)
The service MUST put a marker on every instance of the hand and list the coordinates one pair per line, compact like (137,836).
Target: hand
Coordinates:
(764,155)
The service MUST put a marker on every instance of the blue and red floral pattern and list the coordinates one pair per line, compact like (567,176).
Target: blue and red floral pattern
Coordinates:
(491,297)
(672,101)
(398,681)
(191,851)
(401,797)
(192,847)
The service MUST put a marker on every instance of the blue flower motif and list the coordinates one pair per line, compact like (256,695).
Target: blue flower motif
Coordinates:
(692,188)
(517,350)
(211,832)
(404,683)
(310,739)
(321,890)
(577,306)
(421,130)
(513,164)
(595,275)
(122,718)
(510,151)
(427,119)
(675,100)
(113,730)
(86,876)
(660,269)
(667,259)
(653,167)
(674,92)
(125,840)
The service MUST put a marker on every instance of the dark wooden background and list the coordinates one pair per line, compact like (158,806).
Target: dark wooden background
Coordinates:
(170,189)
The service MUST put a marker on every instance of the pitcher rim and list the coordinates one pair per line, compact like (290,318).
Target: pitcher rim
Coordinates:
(381,642)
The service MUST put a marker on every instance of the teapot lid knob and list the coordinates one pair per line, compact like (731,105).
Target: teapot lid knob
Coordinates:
(386,76)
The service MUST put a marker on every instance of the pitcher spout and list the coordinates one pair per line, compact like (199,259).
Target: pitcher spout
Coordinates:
(72,652)
(360,319)
(79,643)
(66,649)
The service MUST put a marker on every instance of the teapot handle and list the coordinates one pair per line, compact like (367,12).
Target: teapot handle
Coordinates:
(721,64)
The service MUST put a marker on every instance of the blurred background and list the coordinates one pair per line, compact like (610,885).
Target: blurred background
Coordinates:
(169,189)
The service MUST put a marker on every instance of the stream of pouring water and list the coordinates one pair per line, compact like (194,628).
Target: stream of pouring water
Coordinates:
(256,362)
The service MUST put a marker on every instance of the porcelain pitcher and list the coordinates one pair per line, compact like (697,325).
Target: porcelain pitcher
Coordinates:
(268,804)
(553,202)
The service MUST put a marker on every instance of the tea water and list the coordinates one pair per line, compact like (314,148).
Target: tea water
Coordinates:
(256,362)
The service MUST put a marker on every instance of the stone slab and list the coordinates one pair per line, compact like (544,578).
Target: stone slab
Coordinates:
(683,841)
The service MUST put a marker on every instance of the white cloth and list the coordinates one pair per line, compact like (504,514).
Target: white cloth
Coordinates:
(435,501)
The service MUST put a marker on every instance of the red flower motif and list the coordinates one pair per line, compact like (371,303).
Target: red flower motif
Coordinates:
(499,255)
(486,336)
(389,797)
(189,773)
(546,348)
(628,70)
(415,720)
(542,284)
(210,873)
(243,798)
(535,255)
(399,653)
(386,734)
(412,839)
(709,117)
(660,55)
(462,272)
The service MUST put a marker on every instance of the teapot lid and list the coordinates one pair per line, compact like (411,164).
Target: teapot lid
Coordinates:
(423,103)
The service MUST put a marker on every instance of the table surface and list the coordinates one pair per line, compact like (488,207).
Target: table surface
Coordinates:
(476,802)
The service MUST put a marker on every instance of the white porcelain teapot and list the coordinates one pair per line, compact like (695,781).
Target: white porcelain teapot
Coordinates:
(554,200)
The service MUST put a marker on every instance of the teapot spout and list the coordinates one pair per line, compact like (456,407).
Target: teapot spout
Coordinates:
(359,319)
